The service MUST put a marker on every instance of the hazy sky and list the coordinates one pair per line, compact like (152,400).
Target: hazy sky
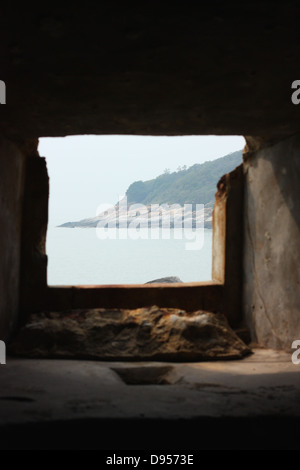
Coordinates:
(86,171)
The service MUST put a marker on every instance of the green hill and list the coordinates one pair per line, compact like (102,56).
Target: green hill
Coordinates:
(196,184)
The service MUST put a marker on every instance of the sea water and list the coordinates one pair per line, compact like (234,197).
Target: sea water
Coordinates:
(78,256)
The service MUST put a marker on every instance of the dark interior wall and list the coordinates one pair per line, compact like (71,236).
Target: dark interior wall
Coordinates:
(11,195)
(150,68)
(272,244)
(33,269)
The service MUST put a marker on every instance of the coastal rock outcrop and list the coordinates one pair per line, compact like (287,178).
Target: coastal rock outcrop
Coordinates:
(123,216)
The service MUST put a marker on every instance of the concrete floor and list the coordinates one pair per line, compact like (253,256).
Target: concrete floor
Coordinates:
(40,398)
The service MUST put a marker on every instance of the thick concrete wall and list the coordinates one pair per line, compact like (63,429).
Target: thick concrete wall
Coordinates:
(34,230)
(228,239)
(11,192)
(150,69)
(272,244)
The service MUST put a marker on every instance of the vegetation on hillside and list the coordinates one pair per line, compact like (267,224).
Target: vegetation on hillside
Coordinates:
(194,185)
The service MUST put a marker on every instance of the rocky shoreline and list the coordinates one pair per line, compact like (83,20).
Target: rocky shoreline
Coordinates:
(154,216)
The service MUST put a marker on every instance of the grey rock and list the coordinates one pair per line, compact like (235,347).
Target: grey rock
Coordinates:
(165,280)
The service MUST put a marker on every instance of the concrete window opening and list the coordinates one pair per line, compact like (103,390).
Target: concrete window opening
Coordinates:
(219,293)
(161,228)
(143,302)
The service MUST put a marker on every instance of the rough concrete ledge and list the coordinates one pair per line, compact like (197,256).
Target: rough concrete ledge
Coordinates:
(144,334)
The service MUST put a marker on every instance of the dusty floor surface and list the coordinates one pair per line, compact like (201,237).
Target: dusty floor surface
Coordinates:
(258,389)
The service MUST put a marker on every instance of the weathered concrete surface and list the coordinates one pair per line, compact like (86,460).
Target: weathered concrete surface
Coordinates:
(209,68)
(54,393)
(228,240)
(187,296)
(272,244)
(11,192)
(67,389)
(141,334)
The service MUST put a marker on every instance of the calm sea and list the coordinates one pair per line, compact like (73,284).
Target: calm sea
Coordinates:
(78,256)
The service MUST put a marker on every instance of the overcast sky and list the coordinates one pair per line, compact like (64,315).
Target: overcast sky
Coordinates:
(86,171)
